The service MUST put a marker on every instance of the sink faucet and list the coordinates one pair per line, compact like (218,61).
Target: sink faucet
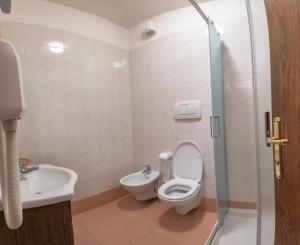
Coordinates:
(24,169)
(147,171)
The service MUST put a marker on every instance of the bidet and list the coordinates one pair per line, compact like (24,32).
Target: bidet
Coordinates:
(143,185)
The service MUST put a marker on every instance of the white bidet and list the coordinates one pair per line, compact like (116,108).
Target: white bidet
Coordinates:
(142,186)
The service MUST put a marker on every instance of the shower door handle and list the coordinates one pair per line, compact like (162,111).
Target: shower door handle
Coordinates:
(215,126)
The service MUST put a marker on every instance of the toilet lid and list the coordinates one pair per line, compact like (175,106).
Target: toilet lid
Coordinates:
(187,162)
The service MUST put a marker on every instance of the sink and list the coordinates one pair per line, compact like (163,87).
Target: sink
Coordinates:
(47,185)
(38,181)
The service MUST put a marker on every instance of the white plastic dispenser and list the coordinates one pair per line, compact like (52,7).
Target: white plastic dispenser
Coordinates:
(11,109)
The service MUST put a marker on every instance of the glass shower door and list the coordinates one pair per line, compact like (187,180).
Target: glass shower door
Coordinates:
(217,121)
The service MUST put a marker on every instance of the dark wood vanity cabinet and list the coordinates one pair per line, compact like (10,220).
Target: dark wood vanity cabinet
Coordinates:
(47,225)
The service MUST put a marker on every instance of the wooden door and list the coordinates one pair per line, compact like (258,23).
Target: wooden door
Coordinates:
(284,28)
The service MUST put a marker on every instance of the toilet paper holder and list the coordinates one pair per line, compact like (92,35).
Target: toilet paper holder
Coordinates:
(165,155)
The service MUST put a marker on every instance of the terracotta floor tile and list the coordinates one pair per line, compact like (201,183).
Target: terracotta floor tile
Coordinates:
(129,203)
(130,208)
(119,223)
(128,221)
(156,210)
(98,230)
(127,229)
(117,241)
(145,223)
(82,237)
(112,219)
(195,226)
(102,213)
(152,239)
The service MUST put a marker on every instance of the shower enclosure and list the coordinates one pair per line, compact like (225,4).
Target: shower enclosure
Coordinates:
(217,119)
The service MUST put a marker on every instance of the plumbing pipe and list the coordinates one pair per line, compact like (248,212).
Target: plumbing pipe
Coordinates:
(11,109)
(9,174)
(3,165)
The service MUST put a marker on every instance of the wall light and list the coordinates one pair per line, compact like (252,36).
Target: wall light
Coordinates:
(56,47)
(119,64)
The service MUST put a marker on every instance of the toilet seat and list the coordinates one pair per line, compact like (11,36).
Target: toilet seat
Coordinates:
(184,191)
(178,189)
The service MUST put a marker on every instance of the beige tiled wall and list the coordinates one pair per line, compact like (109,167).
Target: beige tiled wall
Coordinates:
(239,110)
(78,106)
(170,69)
(177,67)
(79,103)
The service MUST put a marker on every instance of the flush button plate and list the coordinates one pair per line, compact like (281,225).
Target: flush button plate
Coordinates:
(191,109)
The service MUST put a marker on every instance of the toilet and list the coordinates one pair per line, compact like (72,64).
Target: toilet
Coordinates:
(184,191)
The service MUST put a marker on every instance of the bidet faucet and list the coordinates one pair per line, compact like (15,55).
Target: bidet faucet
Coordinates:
(147,170)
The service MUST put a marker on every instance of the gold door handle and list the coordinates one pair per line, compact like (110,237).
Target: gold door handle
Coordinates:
(276,141)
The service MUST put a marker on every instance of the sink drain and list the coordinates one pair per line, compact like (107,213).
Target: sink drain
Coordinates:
(38,193)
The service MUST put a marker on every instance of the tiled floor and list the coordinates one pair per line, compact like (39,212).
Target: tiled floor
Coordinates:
(127,221)
(239,229)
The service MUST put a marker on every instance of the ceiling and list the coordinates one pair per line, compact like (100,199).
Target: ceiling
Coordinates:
(126,13)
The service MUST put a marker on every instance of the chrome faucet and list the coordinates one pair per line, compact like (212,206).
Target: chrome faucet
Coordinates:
(147,171)
(24,170)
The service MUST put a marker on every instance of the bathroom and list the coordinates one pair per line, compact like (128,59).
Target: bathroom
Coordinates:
(144,122)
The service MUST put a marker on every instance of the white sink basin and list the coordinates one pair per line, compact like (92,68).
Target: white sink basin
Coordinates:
(48,185)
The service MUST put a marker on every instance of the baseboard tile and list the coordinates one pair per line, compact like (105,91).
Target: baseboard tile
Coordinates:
(242,205)
(95,201)
(85,204)
(208,205)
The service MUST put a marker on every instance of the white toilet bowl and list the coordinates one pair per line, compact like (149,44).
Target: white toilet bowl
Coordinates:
(184,191)
(142,187)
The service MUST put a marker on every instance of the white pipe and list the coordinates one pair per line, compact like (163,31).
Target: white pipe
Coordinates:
(9,174)
(3,165)
(11,109)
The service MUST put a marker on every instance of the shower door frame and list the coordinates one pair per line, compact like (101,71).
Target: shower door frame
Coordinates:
(261,72)
(222,195)
(218,122)
(262,87)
